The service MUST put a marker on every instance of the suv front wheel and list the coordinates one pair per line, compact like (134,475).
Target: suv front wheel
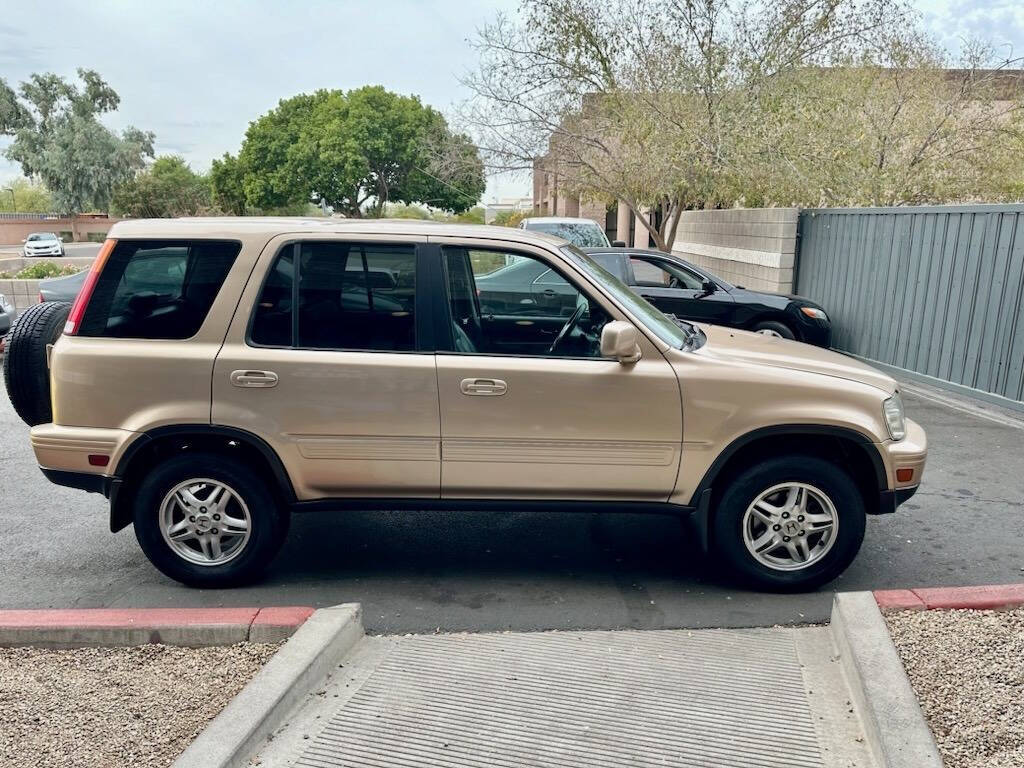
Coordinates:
(790,523)
(207,521)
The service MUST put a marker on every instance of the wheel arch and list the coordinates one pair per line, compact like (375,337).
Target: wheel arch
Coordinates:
(161,442)
(856,450)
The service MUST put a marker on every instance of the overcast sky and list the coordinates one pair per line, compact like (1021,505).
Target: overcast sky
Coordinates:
(196,73)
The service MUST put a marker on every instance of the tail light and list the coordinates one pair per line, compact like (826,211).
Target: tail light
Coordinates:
(85,293)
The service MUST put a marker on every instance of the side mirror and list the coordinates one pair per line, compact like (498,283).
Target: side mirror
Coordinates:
(25,240)
(708,286)
(618,243)
(621,341)
(61,239)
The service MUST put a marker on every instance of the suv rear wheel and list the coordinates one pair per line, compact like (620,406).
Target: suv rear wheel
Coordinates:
(790,523)
(207,521)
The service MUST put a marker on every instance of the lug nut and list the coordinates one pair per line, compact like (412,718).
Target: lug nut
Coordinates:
(213,531)
(785,538)
(776,527)
(216,517)
(785,515)
(202,509)
(800,518)
(191,518)
(801,532)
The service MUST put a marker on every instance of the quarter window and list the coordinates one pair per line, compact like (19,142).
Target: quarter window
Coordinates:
(357,296)
(157,289)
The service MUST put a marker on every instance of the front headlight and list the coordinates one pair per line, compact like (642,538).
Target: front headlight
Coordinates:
(817,314)
(892,409)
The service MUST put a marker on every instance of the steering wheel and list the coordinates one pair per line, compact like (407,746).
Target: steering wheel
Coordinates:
(567,328)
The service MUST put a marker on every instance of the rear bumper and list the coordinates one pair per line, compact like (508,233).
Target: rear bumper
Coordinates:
(83,481)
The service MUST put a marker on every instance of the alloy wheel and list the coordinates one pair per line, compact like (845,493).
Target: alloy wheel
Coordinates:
(790,526)
(205,522)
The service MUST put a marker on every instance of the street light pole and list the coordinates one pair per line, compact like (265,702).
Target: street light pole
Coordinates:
(14,200)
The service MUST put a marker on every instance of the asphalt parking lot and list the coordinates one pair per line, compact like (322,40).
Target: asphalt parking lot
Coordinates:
(427,571)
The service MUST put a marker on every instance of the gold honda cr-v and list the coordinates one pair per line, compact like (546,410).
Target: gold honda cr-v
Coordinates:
(215,376)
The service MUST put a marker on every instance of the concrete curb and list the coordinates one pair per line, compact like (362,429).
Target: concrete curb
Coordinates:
(985,598)
(894,724)
(173,626)
(241,728)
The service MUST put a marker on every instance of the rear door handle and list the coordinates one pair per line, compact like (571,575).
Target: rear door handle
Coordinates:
(254,378)
(483,387)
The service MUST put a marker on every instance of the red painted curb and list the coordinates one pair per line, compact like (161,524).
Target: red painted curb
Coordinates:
(985,598)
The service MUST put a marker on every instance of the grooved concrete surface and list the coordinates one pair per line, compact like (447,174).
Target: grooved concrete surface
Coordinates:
(760,698)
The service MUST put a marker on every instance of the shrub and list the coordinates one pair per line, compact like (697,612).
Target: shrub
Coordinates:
(42,270)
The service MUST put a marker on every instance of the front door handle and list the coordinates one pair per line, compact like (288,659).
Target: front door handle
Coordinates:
(483,387)
(254,378)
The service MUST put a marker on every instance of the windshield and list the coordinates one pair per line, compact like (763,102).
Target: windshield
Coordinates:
(585,234)
(42,236)
(679,334)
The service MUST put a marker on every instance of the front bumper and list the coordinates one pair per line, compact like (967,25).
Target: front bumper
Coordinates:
(904,459)
(30,253)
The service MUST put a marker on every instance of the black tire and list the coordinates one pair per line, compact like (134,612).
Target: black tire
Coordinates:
(26,373)
(743,490)
(775,326)
(268,522)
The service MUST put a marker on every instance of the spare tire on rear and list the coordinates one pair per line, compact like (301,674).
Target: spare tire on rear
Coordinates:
(26,373)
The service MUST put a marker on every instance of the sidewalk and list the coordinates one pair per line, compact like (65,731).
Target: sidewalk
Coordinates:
(757,698)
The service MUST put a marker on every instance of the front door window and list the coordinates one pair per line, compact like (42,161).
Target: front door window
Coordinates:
(512,304)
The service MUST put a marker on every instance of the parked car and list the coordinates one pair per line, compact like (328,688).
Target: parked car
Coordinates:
(63,288)
(677,287)
(42,244)
(584,233)
(216,376)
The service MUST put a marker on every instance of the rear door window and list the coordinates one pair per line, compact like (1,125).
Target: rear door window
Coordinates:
(157,289)
(350,296)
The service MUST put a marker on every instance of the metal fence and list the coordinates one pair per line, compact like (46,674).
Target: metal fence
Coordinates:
(934,290)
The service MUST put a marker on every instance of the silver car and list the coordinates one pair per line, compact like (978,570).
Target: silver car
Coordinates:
(42,244)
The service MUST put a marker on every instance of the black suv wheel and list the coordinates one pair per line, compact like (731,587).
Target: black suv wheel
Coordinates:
(790,523)
(207,521)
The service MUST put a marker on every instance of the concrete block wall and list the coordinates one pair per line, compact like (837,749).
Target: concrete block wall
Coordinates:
(753,247)
(22,293)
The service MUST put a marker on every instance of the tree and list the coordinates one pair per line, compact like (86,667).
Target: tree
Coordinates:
(510,218)
(167,188)
(25,196)
(357,151)
(227,182)
(680,104)
(58,139)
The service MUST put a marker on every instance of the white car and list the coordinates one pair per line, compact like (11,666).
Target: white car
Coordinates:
(584,233)
(42,244)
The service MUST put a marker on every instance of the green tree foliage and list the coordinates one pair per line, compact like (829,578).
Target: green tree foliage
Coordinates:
(166,189)
(357,151)
(227,183)
(25,196)
(510,218)
(58,138)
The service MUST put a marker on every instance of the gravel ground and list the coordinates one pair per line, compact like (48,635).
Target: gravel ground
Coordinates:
(100,707)
(967,668)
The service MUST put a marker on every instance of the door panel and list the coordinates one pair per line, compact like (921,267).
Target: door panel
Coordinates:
(542,425)
(346,423)
(563,428)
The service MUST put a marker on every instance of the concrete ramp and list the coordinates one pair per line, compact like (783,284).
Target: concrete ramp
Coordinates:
(759,698)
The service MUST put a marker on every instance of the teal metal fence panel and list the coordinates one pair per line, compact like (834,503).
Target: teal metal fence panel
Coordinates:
(932,290)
